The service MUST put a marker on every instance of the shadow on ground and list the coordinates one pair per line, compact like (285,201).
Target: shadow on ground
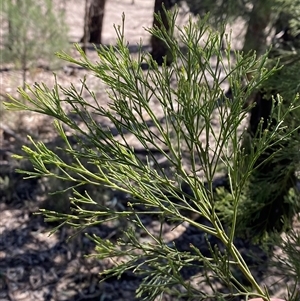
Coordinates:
(35,266)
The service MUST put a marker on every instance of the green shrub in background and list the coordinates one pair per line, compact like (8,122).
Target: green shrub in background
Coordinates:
(187,93)
(287,263)
(33,31)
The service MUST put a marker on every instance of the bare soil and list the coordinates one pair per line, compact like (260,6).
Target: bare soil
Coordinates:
(34,265)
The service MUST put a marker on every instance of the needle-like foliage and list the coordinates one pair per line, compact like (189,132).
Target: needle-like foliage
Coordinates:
(195,126)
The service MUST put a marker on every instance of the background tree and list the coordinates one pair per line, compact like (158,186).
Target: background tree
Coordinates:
(274,175)
(259,25)
(34,31)
(93,22)
(159,48)
(261,17)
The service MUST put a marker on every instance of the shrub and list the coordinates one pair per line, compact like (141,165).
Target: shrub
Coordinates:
(195,126)
(33,32)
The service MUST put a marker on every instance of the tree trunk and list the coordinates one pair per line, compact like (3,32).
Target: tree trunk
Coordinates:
(84,39)
(256,41)
(258,27)
(93,22)
(159,49)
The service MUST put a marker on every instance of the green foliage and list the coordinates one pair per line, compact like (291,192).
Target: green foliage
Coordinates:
(273,180)
(229,10)
(261,20)
(289,11)
(4,182)
(34,31)
(187,94)
(220,11)
(286,261)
